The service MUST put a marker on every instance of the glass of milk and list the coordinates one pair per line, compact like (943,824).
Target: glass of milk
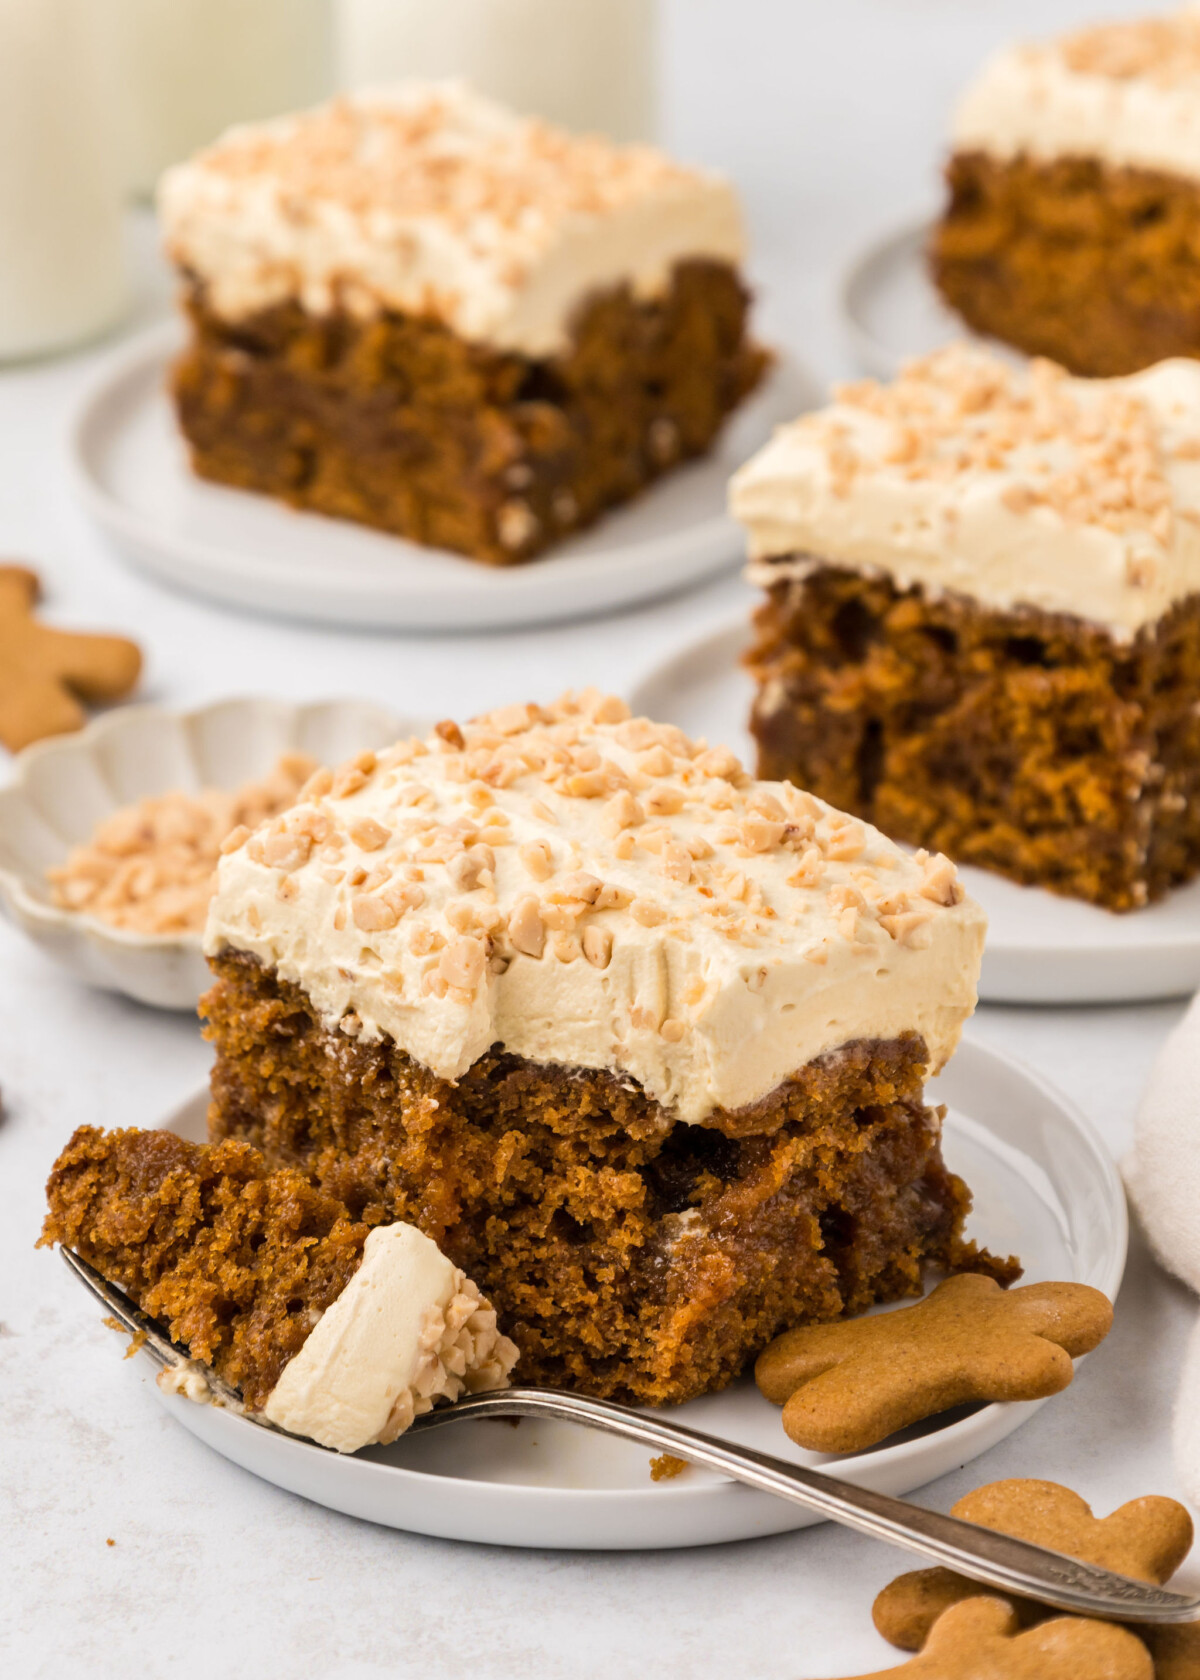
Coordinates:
(191,68)
(62,260)
(588,64)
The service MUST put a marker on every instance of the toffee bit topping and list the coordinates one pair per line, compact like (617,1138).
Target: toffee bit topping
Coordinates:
(526,929)
(597,946)
(372,914)
(576,837)
(462,963)
(1164,51)
(369,834)
(449,732)
(348,781)
(537,859)
(439,152)
(1088,456)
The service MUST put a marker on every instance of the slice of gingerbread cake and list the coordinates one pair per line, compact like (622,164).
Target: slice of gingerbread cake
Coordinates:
(982,625)
(328,1328)
(1073,214)
(416,309)
(638,1041)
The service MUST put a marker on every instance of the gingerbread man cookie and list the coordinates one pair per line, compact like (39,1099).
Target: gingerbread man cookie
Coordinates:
(45,674)
(845,1386)
(1175,1650)
(1147,1538)
(980,1640)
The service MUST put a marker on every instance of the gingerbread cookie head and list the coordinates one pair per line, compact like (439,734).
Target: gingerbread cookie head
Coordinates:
(846,1386)
(47,675)
(1147,1538)
(980,1639)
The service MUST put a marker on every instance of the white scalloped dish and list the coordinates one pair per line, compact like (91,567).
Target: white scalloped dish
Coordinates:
(63,787)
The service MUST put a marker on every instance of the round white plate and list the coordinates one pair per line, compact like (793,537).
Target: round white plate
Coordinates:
(132,476)
(1040,948)
(1044,1188)
(890,307)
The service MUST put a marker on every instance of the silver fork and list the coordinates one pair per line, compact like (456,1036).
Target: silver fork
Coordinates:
(995,1559)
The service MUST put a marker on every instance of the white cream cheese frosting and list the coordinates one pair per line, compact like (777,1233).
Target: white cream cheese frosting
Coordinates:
(1127,94)
(590,890)
(1012,486)
(407,1330)
(429,199)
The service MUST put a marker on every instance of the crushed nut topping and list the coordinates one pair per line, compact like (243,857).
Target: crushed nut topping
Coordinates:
(429,155)
(149,867)
(572,836)
(1091,457)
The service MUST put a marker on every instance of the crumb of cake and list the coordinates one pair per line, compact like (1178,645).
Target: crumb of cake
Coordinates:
(150,867)
(666,1466)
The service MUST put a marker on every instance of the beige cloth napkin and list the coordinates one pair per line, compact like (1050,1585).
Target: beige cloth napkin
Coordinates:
(1162,1174)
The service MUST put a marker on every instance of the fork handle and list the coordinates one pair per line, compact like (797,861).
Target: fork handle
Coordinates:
(996,1559)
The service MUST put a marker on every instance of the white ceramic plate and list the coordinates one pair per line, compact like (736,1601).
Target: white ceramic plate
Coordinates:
(890,307)
(61,788)
(1040,948)
(1044,1188)
(132,476)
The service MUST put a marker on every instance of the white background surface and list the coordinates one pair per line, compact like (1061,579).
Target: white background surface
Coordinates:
(831,117)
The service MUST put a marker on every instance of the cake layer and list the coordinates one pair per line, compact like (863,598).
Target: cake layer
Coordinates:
(1124,94)
(1013,487)
(395,421)
(328,1329)
(1091,265)
(1019,741)
(588,890)
(433,202)
(238,1263)
(627,1254)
